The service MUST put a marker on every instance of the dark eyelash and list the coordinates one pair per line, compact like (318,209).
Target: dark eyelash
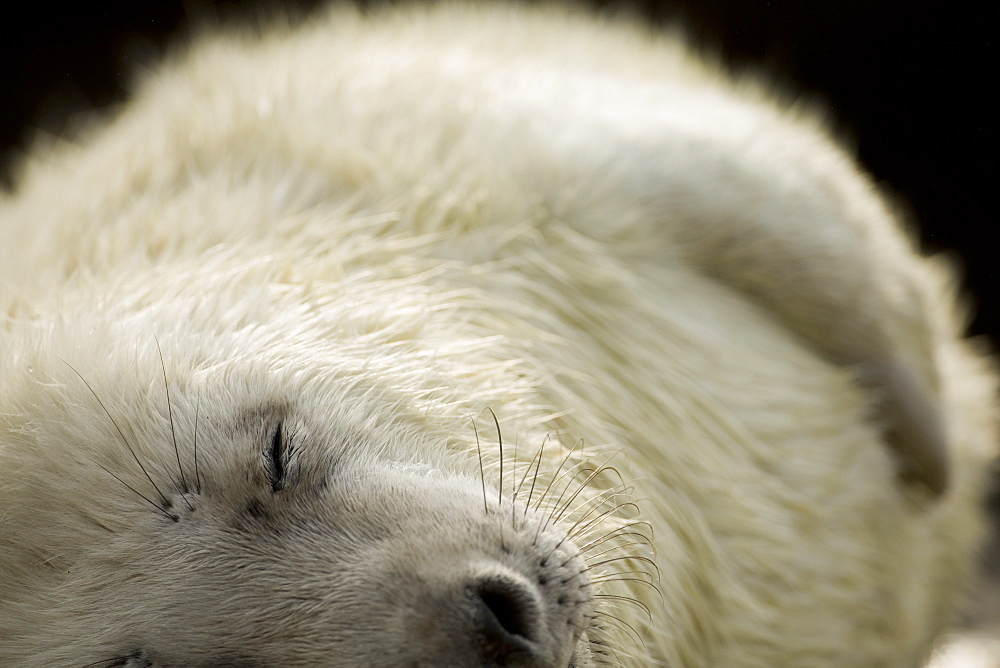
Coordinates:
(278,457)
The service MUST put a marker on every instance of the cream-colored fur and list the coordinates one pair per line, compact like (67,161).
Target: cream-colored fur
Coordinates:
(342,245)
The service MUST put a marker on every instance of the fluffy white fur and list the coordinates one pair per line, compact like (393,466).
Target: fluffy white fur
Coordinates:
(370,230)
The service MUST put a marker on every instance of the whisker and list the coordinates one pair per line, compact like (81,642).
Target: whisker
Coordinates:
(559,502)
(503,542)
(611,535)
(557,476)
(559,506)
(527,470)
(619,620)
(620,488)
(601,469)
(603,497)
(577,530)
(616,533)
(606,651)
(569,534)
(197,474)
(614,577)
(513,488)
(141,495)
(642,581)
(633,557)
(482,473)
(534,478)
(617,547)
(500,445)
(628,599)
(119,430)
(173,432)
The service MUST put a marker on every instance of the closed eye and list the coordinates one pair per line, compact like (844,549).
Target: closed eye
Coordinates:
(278,458)
(136,659)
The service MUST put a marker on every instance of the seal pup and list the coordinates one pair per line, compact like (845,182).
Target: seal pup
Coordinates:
(474,335)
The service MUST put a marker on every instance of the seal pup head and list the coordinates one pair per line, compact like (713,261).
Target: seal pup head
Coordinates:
(248,514)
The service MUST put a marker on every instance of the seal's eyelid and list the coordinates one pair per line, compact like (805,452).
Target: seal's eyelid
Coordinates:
(136,659)
(278,454)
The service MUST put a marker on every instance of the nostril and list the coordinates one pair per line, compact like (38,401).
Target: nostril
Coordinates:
(506,610)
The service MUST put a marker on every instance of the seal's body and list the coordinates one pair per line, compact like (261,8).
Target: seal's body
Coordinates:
(255,327)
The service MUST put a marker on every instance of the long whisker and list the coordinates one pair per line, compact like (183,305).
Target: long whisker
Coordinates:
(602,648)
(632,557)
(601,469)
(569,534)
(597,502)
(534,479)
(642,581)
(619,620)
(614,577)
(559,501)
(643,541)
(527,470)
(141,495)
(559,506)
(617,532)
(197,474)
(513,487)
(576,529)
(173,432)
(558,476)
(618,547)
(500,445)
(608,536)
(482,472)
(118,429)
(627,599)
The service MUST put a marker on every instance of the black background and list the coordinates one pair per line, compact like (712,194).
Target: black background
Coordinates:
(905,84)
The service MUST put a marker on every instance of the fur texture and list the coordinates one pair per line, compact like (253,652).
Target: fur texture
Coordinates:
(253,328)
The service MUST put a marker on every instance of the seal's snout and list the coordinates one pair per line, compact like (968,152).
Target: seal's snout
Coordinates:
(485,584)
(494,615)
(505,615)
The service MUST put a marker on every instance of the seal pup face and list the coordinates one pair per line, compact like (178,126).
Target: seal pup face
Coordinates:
(321,555)
(295,530)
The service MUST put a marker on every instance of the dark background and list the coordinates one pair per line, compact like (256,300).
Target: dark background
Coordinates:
(905,85)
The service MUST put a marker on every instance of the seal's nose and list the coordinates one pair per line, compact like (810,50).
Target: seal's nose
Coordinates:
(506,612)
(475,591)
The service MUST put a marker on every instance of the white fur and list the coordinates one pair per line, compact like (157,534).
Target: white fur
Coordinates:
(379,227)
